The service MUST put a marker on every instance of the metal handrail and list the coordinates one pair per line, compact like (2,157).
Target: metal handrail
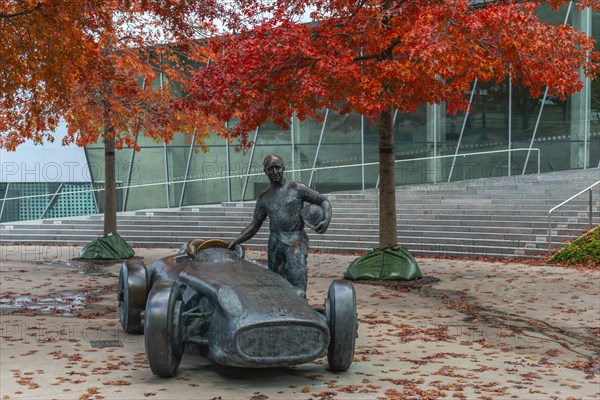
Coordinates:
(261,174)
(463,155)
(562,204)
(477,154)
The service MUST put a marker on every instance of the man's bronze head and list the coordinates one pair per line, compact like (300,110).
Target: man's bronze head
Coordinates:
(274,168)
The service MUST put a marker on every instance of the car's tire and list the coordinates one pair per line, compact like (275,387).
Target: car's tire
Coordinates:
(163,326)
(132,295)
(340,312)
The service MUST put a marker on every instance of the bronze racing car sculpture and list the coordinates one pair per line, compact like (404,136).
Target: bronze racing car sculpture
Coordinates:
(209,299)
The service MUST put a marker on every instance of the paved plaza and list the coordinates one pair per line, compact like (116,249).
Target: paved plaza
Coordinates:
(473,330)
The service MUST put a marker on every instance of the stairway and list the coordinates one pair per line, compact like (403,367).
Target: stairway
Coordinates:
(491,218)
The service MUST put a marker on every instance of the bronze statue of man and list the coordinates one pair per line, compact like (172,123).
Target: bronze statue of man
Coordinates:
(283,203)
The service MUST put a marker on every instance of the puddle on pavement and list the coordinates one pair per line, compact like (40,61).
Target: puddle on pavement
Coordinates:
(93,268)
(63,304)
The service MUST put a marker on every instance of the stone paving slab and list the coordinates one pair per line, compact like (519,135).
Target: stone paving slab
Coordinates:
(481,330)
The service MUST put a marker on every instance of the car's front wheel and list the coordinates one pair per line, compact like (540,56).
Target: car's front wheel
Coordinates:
(132,296)
(163,327)
(340,312)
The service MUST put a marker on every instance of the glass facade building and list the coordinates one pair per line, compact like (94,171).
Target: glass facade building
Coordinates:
(505,132)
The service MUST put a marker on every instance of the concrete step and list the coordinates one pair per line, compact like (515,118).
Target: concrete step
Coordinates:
(418,250)
(363,217)
(400,208)
(461,218)
(426,222)
(361,238)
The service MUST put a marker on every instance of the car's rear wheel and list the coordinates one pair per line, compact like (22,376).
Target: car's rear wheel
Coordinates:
(340,312)
(132,296)
(163,326)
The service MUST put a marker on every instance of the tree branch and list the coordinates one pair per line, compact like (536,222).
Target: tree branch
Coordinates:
(358,7)
(20,13)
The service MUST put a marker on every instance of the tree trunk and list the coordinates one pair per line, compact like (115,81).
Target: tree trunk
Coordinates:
(110,191)
(387,183)
(387,180)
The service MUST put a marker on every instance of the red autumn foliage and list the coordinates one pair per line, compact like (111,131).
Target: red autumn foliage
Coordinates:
(369,57)
(373,57)
(102,67)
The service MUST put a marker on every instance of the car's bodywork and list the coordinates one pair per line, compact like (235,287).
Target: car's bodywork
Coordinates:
(233,312)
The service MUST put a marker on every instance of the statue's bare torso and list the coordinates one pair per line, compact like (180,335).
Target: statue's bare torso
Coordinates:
(283,204)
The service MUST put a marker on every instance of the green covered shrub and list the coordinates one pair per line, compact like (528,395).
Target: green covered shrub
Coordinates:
(584,251)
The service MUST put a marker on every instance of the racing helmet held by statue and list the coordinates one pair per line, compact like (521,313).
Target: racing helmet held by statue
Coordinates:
(312,215)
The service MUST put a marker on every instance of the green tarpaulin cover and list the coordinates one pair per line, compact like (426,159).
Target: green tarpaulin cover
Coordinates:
(392,264)
(111,247)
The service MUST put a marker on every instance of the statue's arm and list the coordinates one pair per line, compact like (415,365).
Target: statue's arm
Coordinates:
(260,214)
(312,196)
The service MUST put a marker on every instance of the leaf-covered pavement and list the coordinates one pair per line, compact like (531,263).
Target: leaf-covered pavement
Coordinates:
(484,330)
